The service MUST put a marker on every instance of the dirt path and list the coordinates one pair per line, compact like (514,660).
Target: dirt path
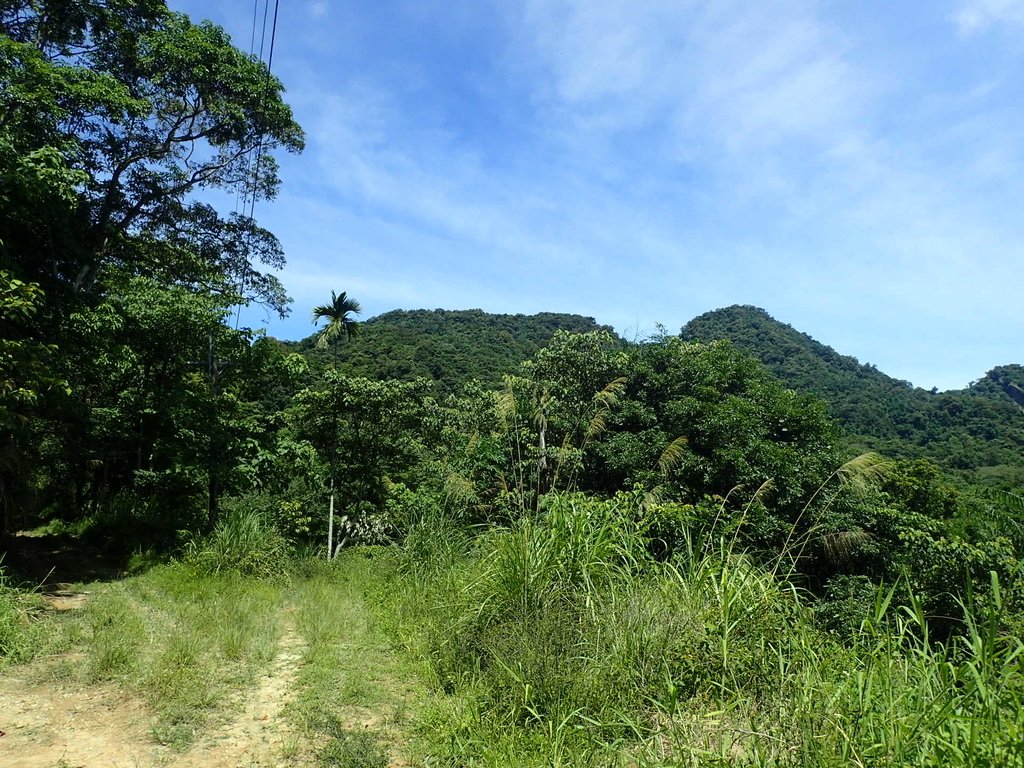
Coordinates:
(52,726)
(46,726)
(258,736)
(354,680)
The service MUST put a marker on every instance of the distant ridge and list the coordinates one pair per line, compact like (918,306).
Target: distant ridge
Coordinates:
(977,431)
(448,346)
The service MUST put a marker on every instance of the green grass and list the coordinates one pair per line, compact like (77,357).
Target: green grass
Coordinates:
(20,636)
(559,641)
(185,642)
(243,542)
(353,694)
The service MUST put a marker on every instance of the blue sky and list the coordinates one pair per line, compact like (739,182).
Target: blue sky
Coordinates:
(855,168)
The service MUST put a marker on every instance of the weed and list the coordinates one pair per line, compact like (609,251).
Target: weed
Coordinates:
(244,542)
(560,641)
(351,749)
(117,634)
(20,637)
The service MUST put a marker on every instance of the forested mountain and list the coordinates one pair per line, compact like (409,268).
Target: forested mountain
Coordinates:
(583,554)
(447,346)
(977,431)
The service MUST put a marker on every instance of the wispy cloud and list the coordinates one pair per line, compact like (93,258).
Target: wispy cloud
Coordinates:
(730,75)
(813,158)
(976,15)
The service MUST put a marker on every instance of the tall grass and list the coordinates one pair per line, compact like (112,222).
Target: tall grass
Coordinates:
(19,636)
(563,642)
(244,542)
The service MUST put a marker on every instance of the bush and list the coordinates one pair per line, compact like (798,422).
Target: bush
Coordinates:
(561,636)
(243,541)
(17,639)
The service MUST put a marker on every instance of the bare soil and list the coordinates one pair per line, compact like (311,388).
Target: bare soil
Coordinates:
(65,727)
(53,724)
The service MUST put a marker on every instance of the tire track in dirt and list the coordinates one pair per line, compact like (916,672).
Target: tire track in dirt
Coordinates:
(259,735)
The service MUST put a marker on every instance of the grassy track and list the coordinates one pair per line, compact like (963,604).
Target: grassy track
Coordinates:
(554,642)
(199,652)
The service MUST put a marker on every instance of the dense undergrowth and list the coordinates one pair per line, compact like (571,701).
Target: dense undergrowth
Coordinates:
(562,641)
(568,637)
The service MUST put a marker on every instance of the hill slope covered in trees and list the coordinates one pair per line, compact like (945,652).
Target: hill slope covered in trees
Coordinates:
(977,431)
(447,346)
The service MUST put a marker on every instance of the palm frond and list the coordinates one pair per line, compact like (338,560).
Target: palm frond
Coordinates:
(1011,502)
(321,311)
(338,315)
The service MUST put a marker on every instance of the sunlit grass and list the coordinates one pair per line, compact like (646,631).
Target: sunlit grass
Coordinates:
(183,642)
(560,641)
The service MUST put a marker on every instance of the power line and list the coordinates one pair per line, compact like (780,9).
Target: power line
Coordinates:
(266,93)
(259,145)
(239,201)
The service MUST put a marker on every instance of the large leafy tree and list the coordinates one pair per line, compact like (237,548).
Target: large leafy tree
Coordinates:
(113,115)
(708,420)
(147,107)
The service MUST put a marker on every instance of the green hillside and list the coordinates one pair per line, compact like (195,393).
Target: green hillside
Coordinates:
(977,432)
(447,346)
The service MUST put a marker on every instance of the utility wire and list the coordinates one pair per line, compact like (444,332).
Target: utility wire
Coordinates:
(259,145)
(266,93)
(252,53)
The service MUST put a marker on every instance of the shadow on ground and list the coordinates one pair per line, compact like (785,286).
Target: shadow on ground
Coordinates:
(51,561)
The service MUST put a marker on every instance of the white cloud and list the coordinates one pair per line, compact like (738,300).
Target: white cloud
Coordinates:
(318,9)
(730,75)
(977,15)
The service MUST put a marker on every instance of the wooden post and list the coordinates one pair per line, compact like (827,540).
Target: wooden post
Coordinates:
(330,525)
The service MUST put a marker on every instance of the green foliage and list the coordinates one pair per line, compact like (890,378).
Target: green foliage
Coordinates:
(347,748)
(977,432)
(340,323)
(27,376)
(373,426)
(707,420)
(555,644)
(113,113)
(20,637)
(243,542)
(448,347)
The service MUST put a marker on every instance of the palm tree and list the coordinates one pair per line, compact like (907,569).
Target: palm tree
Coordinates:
(340,323)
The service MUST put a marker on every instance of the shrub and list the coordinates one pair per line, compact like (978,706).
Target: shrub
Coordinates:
(17,639)
(243,541)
